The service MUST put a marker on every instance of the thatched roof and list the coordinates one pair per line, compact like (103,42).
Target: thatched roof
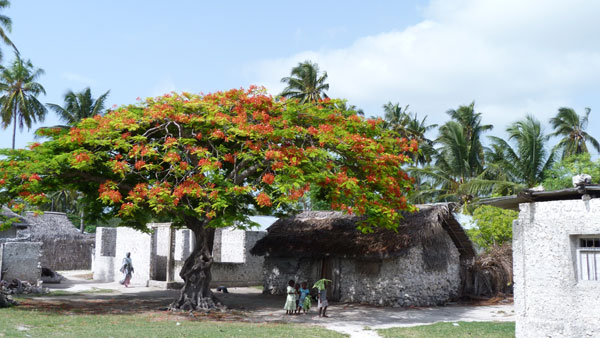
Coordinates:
(47,226)
(329,233)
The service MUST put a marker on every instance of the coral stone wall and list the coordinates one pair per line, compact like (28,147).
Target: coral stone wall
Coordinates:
(550,300)
(20,260)
(401,281)
(278,271)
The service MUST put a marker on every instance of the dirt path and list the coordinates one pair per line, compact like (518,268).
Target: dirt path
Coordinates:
(249,304)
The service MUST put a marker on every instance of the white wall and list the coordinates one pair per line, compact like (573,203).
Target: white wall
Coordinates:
(550,301)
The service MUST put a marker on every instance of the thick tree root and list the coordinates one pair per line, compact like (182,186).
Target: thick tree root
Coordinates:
(203,304)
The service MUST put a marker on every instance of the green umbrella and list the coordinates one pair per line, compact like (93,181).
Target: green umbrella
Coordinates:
(320,284)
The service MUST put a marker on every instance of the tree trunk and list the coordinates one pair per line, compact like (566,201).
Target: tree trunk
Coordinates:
(196,294)
(14,130)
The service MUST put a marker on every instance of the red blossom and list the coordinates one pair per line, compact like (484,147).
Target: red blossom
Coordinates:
(268,178)
(263,200)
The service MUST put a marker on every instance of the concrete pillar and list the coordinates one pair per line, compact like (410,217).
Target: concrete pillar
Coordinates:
(171,256)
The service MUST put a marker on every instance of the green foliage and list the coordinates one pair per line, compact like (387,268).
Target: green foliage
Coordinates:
(561,174)
(491,225)
(215,160)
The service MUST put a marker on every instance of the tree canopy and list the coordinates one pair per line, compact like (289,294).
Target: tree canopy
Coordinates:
(213,160)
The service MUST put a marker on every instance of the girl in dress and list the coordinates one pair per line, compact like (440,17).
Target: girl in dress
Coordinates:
(304,301)
(290,302)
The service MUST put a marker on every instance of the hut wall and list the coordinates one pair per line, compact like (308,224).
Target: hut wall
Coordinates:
(278,271)
(401,281)
(63,246)
(556,278)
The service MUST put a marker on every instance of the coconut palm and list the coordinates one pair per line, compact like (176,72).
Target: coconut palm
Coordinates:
(417,129)
(396,118)
(458,173)
(305,83)
(526,162)
(571,126)
(6,26)
(78,106)
(19,104)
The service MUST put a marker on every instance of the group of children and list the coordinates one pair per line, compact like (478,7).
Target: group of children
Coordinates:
(299,299)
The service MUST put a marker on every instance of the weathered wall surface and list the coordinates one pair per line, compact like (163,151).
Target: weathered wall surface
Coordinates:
(277,272)
(139,245)
(21,260)
(235,265)
(550,301)
(64,247)
(402,281)
(104,254)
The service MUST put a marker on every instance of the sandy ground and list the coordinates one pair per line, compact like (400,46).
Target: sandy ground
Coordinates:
(249,304)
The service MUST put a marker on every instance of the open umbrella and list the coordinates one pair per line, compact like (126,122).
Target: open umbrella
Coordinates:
(320,284)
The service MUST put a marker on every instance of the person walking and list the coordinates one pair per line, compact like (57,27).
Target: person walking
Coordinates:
(126,269)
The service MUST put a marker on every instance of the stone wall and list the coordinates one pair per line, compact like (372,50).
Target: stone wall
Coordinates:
(278,271)
(234,265)
(21,260)
(551,300)
(402,281)
(64,247)
(104,254)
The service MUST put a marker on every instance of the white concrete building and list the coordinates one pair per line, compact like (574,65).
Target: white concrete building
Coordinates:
(556,257)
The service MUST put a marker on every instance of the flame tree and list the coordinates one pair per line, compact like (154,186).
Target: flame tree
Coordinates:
(209,161)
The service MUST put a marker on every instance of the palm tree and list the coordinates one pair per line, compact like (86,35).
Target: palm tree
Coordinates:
(78,106)
(417,129)
(19,104)
(571,126)
(305,83)
(458,173)
(6,25)
(396,118)
(526,163)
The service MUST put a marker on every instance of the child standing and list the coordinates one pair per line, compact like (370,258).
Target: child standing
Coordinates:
(290,302)
(297,294)
(304,301)
(323,303)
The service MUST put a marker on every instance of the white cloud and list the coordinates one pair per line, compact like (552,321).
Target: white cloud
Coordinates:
(512,57)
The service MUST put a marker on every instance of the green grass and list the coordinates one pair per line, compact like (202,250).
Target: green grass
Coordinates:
(18,323)
(446,330)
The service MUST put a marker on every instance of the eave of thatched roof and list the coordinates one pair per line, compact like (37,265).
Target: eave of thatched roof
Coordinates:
(328,233)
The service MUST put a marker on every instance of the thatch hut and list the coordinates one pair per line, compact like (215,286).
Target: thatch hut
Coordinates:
(419,264)
(63,246)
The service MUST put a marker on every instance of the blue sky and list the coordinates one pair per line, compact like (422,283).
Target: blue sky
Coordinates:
(511,57)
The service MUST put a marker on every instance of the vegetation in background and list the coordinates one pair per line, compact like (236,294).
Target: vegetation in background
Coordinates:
(561,173)
(305,83)
(491,226)
(571,127)
(19,105)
